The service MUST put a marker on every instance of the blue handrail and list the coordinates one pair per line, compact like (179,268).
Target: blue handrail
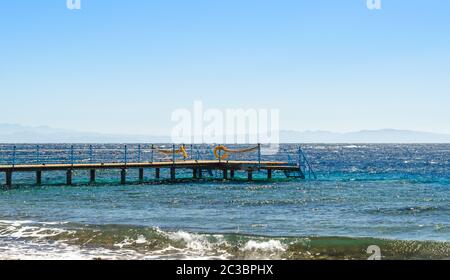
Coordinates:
(37,154)
(91,154)
(72,158)
(14,156)
(128,153)
(303,161)
(139,153)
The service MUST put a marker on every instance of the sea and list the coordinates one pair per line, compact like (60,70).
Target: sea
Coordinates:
(391,197)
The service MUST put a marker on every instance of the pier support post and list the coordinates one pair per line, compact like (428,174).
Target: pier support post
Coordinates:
(225,174)
(141,175)
(92,176)
(250,175)
(8,178)
(69,177)
(172,173)
(194,173)
(157,173)
(232,173)
(123,176)
(38,178)
(269,174)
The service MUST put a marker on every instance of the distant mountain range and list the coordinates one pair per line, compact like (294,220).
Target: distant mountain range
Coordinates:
(12,133)
(364,136)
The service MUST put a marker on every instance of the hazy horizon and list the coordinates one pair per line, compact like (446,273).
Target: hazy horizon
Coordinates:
(287,130)
(11,133)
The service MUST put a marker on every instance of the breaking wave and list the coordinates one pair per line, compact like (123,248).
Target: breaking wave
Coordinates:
(61,240)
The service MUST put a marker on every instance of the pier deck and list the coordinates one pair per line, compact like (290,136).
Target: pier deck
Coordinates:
(197,166)
(196,161)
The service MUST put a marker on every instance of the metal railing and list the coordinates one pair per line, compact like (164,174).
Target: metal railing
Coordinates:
(129,153)
(305,165)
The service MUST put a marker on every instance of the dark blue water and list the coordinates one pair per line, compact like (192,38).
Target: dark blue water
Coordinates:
(394,196)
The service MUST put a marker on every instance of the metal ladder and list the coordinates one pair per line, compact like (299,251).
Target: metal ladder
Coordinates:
(304,167)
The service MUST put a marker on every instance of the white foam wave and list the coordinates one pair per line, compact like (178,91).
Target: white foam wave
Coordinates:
(129,242)
(26,239)
(270,245)
(126,242)
(30,240)
(32,250)
(29,229)
(192,241)
(197,246)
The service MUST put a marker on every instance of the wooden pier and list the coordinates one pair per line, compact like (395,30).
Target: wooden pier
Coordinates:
(198,167)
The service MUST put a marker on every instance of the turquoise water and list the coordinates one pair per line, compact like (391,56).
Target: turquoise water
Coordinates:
(393,196)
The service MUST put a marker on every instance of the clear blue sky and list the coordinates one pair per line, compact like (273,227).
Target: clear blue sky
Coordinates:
(123,66)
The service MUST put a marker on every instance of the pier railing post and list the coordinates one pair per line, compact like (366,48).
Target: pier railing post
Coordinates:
(91,154)
(72,159)
(14,156)
(139,153)
(197,154)
(259,156)
(173,153)
(172,169)
(153,149)
(37,154)
(126,155)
